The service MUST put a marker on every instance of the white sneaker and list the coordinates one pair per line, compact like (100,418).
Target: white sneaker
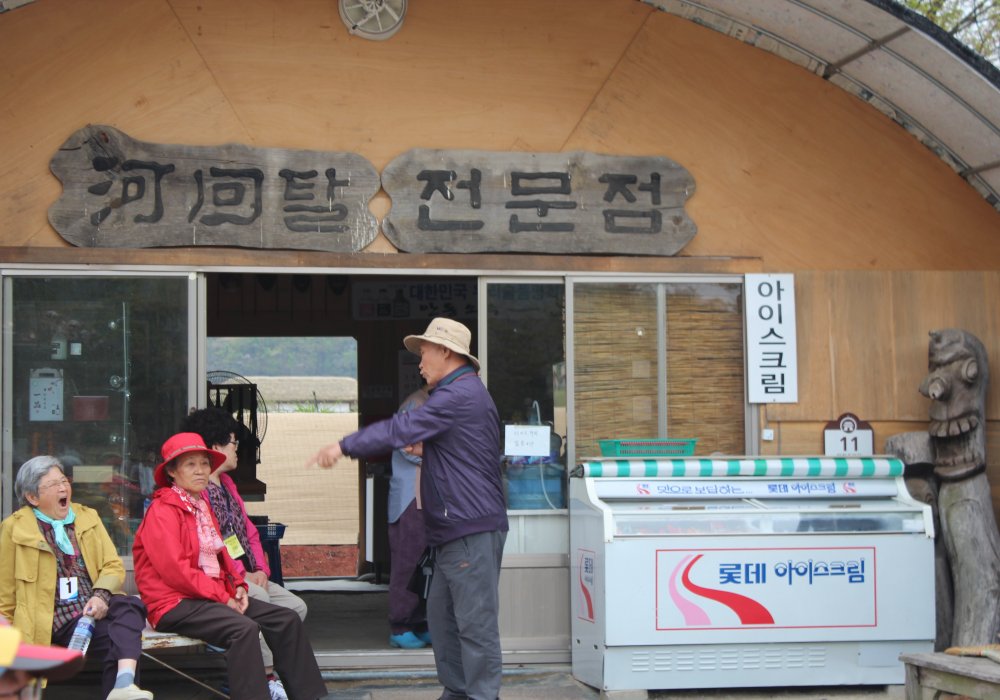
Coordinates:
(277,690)
(130,692)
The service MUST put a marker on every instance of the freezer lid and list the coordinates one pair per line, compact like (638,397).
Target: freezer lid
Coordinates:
(781,467)
(769,488)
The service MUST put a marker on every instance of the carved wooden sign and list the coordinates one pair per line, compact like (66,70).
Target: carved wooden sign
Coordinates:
(483,201)
(119,192)
(123,193)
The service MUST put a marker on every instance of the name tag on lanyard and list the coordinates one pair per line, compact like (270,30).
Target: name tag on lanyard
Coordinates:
(233,546)
(69,588)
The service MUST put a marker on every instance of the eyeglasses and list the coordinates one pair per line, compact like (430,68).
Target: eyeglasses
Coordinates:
(56,483)
(234,443)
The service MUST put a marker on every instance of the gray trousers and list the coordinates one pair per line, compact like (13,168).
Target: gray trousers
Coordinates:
(462,613)
(276,595)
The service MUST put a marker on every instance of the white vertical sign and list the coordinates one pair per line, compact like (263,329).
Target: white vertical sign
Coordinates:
(772,353)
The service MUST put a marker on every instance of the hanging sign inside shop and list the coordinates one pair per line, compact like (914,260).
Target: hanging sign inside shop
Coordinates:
(387,300)
(772,351)
(571,203)
(848,435)
(123,193)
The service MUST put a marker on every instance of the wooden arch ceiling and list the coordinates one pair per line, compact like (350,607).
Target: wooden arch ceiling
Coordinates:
(906,69)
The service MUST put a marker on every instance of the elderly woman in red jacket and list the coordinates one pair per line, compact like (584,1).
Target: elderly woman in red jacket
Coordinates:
(191,585)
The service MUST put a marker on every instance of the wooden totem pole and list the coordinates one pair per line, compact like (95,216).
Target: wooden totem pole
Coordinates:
(953,454)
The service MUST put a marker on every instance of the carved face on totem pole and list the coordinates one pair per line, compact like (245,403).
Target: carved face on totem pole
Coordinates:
(956,385)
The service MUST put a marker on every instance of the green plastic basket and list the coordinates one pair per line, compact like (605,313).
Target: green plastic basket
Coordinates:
(647,447)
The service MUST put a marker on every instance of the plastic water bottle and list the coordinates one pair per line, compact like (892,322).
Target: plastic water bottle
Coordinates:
(82,634)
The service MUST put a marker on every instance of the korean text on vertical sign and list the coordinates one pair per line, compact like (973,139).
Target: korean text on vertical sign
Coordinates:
(772,352)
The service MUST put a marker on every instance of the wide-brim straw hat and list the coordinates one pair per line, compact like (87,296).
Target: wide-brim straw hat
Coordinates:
(447,332)
(181,444)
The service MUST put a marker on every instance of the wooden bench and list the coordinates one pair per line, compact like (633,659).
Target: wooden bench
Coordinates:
(153,641)
(934,676)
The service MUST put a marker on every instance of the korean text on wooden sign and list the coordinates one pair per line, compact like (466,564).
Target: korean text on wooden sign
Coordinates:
(772,351)
(576,202)
(119,192)
(125,193)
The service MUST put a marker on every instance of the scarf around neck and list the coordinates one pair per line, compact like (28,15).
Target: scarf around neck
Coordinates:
(59,529)
(209,541)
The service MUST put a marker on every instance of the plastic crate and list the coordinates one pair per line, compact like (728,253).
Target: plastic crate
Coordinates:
(271,531)
(647,447)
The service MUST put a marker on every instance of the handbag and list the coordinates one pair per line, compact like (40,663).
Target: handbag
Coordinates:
(420,579)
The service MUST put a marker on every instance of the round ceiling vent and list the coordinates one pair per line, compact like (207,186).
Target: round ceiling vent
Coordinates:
(372,19)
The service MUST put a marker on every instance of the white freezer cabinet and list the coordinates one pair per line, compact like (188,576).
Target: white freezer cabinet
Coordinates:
(747,572)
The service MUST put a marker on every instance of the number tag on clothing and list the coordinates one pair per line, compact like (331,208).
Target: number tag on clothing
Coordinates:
(69,588)
(234,547)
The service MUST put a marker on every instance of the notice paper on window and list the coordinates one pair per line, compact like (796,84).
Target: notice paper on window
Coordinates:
(45,394)
(526,440)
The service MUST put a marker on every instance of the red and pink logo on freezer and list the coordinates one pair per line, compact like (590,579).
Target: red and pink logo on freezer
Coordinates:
(788,587)
(587,584)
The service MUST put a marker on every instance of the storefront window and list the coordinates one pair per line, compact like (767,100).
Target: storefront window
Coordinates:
(98,373)
(525,333)
(658,360)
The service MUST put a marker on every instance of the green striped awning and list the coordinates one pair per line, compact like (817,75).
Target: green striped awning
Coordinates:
(796,467)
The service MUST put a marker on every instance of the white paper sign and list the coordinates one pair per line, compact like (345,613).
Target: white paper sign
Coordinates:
(526,440)
(772,351)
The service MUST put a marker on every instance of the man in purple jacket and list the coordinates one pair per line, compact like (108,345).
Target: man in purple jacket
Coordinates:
(465,512)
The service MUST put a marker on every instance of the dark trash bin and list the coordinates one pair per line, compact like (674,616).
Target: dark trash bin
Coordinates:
(270,540)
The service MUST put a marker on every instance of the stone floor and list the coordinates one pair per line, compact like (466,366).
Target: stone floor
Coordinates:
(549,683)
(339,621)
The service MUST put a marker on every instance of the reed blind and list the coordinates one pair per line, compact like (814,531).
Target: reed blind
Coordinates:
(615,330)
(705,385)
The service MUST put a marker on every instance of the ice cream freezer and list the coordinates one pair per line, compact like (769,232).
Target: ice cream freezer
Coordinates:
(747,572)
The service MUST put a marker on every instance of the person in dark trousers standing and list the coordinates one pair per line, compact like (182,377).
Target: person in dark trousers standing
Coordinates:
(465,511)
(407,611)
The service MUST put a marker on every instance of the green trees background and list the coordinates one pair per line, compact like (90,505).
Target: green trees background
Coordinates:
(976,23)
(284,357)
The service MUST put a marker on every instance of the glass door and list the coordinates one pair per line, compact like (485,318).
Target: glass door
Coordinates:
(98,371)
(525,359)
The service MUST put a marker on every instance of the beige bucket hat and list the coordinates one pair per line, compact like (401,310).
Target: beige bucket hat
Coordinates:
(444,331)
